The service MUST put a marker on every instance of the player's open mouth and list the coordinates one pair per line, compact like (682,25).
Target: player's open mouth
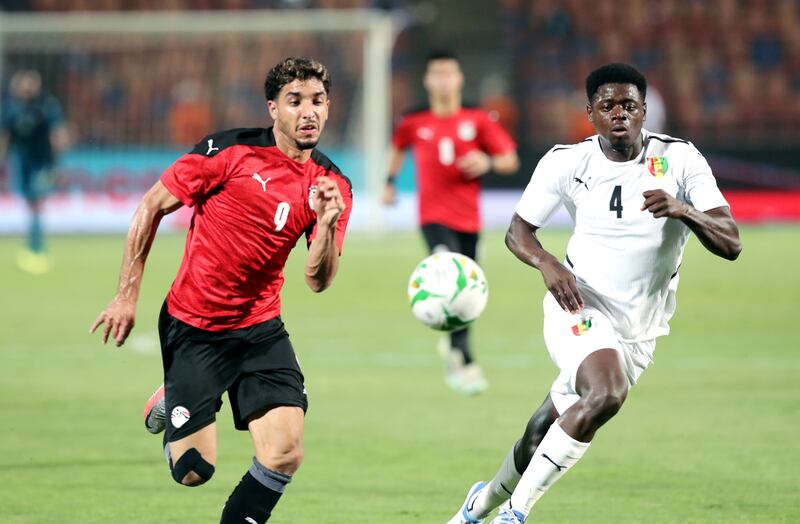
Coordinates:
(307,128)
(619,130)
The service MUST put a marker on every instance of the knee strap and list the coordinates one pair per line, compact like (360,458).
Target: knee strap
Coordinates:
(192,460)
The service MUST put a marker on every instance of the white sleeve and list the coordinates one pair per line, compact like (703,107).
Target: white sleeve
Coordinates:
(700,187)
(544,194)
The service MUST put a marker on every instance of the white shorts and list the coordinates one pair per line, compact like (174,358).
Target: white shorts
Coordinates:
(571,338)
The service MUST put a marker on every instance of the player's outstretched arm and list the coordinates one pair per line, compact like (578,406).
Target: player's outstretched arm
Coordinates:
(715,228)
(120,314)
(323,253)
(506,163)
(477,163)
(521,240)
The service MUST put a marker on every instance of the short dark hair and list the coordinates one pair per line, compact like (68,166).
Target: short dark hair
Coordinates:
(616,73)
(295,68)
(440,54)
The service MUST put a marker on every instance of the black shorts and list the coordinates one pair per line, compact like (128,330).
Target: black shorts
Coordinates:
(437,235)
(256,365)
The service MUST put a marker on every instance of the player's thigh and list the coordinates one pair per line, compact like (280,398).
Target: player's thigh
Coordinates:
(570,340)
(277,437)
(602,373)
(199,366)
(440,238)
(203,440)
(269,397)
(269,375)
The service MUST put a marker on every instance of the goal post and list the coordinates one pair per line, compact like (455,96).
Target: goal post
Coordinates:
(143,64)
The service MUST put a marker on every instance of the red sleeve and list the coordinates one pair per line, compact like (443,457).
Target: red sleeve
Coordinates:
(195,174)
(344,218)
(403,134)
(493,139)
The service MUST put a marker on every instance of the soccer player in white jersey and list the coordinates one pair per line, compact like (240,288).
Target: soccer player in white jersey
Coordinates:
(634,197)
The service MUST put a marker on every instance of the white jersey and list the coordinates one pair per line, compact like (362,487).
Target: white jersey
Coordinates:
(625,261)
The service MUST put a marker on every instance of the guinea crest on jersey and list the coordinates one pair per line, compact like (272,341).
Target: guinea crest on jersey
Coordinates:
(624,259)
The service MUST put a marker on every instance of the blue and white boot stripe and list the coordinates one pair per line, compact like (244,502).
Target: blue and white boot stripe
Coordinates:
(473,493)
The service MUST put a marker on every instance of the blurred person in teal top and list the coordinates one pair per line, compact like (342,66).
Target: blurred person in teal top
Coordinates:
(33,134)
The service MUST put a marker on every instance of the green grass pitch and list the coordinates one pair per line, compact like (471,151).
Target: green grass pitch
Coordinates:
(708,436)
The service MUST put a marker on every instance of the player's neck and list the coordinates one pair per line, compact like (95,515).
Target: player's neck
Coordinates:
(288,147)
(621,154)
(445,106)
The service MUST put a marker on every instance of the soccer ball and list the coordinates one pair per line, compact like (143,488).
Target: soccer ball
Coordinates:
(447,291)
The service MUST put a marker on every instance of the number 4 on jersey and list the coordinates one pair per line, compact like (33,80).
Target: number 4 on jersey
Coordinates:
(616,201)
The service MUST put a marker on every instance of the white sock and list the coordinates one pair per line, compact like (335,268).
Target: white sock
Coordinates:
(499,489)
(556,453)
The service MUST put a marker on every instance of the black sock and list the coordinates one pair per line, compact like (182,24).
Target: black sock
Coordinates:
(255,496)
(460,340)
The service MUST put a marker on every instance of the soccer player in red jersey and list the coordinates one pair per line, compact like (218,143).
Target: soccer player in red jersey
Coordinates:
(453,147)
(255,193)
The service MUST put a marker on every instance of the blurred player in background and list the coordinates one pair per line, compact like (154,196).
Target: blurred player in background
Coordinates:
(33,135)
(635,197)
(453,147)
(256,192)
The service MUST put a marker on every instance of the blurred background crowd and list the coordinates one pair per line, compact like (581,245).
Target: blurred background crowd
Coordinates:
(724,74)
(725,70)
(184,5)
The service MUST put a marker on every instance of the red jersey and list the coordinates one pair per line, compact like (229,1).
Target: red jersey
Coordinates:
(251,205)
(446,195)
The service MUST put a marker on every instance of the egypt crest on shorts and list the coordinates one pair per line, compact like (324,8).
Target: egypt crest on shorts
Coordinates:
(179,416)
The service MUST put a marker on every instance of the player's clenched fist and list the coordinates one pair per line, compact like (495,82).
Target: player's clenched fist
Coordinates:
(328,202)
(389,195)
(119,317)
(475,163)
(662,204)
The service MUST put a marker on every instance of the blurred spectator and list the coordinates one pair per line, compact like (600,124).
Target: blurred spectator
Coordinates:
(33,135)
(495,98)
(190,116)
(719,53)
(709,58)
(578,125)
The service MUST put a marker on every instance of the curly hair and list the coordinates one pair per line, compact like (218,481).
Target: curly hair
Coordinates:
(615,74)
(295,68)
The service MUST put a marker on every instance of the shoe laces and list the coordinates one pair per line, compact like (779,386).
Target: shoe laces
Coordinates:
(509,516)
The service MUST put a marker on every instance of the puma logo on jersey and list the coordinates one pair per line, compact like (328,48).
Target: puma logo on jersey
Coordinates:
(211,146)
(261,181)
(578,180)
